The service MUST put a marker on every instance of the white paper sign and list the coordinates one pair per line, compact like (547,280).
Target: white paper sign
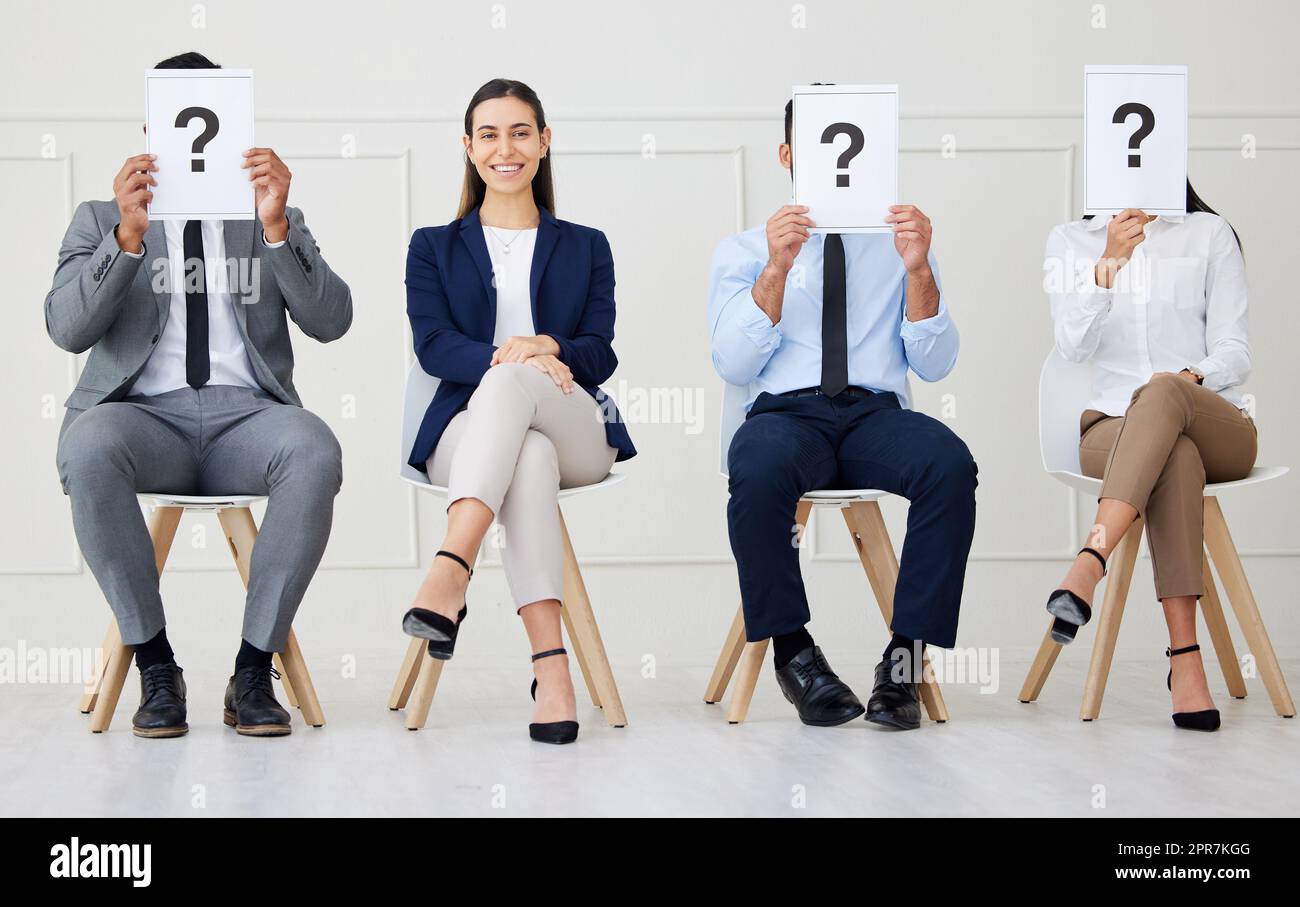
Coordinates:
(199,123)
(846,155)
(1135,139)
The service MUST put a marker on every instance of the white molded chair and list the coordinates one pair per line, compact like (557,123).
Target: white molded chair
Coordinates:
(100,698)
(871,540)
(419,674)
(1064,389)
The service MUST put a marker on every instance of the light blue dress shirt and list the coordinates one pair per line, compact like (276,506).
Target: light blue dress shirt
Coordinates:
(750,351)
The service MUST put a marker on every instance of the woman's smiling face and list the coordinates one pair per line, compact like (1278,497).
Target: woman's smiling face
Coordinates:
(506,146)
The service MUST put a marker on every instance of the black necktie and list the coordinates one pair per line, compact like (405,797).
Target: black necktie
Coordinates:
(835,332)
(197,366)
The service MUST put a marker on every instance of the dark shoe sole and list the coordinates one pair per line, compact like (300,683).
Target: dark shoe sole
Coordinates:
(892,721)
(1068,618)
(179,730)
(441,646)
(833,722)
(255,730)
(413,626)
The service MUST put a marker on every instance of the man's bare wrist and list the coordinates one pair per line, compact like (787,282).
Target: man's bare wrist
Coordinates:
(922,273)
(128,242)
(775,271)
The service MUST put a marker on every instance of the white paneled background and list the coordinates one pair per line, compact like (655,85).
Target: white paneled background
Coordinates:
(666,118)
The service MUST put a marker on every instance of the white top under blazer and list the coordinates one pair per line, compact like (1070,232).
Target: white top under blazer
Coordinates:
(1180,302)
(511,271)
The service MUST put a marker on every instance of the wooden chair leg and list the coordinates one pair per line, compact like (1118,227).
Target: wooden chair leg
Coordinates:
(241,535)
(736,648)
(585,635)
(580,656)
(1212,611)
(1122,558)
(1048,649)
(300,682)
(931,693)
(426,684)
(1237,589)
(119,662)
(751,663)
(876,552)
(406,674)
(727,659)
(278,663)
(162,523)
(112,639)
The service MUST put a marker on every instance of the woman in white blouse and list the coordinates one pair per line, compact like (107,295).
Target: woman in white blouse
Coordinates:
(1158,305)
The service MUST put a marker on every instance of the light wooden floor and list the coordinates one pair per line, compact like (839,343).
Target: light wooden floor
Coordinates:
(677,757)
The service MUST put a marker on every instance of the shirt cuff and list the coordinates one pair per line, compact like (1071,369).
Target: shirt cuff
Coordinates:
(757,326)
(936,324)
(272,245)
(1096,297)
(1212,371)
(140,254)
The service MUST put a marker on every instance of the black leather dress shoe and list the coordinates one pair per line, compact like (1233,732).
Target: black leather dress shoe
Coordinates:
(893,704)
(251,708)
(823,700)
(162,703)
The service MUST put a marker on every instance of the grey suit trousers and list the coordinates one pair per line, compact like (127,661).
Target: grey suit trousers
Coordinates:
(211,441)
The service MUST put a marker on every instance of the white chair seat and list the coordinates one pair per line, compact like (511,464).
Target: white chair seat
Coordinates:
(1258,474)
(206,503)
(844,495)
(441,490)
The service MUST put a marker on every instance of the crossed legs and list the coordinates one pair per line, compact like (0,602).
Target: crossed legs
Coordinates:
(506,456)
(1155,461)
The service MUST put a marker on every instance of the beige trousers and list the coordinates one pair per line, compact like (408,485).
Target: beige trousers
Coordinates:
(518,442)
(1174,436)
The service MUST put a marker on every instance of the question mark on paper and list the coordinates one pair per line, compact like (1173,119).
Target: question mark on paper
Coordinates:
(856,143)
(1122,113)
(210,123)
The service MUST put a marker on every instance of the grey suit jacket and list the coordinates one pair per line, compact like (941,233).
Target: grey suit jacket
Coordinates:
(116,306)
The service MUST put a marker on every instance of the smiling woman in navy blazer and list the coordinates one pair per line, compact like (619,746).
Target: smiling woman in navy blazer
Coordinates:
(514,310)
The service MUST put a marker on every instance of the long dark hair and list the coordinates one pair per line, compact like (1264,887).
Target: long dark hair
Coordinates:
(473,188)
(1196,203)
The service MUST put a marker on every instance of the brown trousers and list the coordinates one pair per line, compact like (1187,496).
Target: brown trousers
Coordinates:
(1174,436)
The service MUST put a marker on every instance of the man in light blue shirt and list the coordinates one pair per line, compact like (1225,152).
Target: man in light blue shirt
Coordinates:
(821,330)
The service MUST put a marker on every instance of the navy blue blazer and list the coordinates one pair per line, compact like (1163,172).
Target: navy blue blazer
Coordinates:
(452,305)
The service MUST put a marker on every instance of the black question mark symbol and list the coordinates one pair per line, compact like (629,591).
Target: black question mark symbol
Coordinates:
(1122,113)
(211,125)
(857,141)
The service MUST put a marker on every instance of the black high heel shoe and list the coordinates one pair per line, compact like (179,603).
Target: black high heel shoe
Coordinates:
(1070,611)
(1204,720)
(438,630)
(551,731)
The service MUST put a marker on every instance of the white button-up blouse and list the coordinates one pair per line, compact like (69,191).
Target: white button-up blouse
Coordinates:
(1180,302)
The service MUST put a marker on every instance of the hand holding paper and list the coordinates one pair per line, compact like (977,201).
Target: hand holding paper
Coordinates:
(912,233)
(270,178)
(132,190)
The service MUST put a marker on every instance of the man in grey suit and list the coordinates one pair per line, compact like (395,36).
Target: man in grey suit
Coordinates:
(189,390)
